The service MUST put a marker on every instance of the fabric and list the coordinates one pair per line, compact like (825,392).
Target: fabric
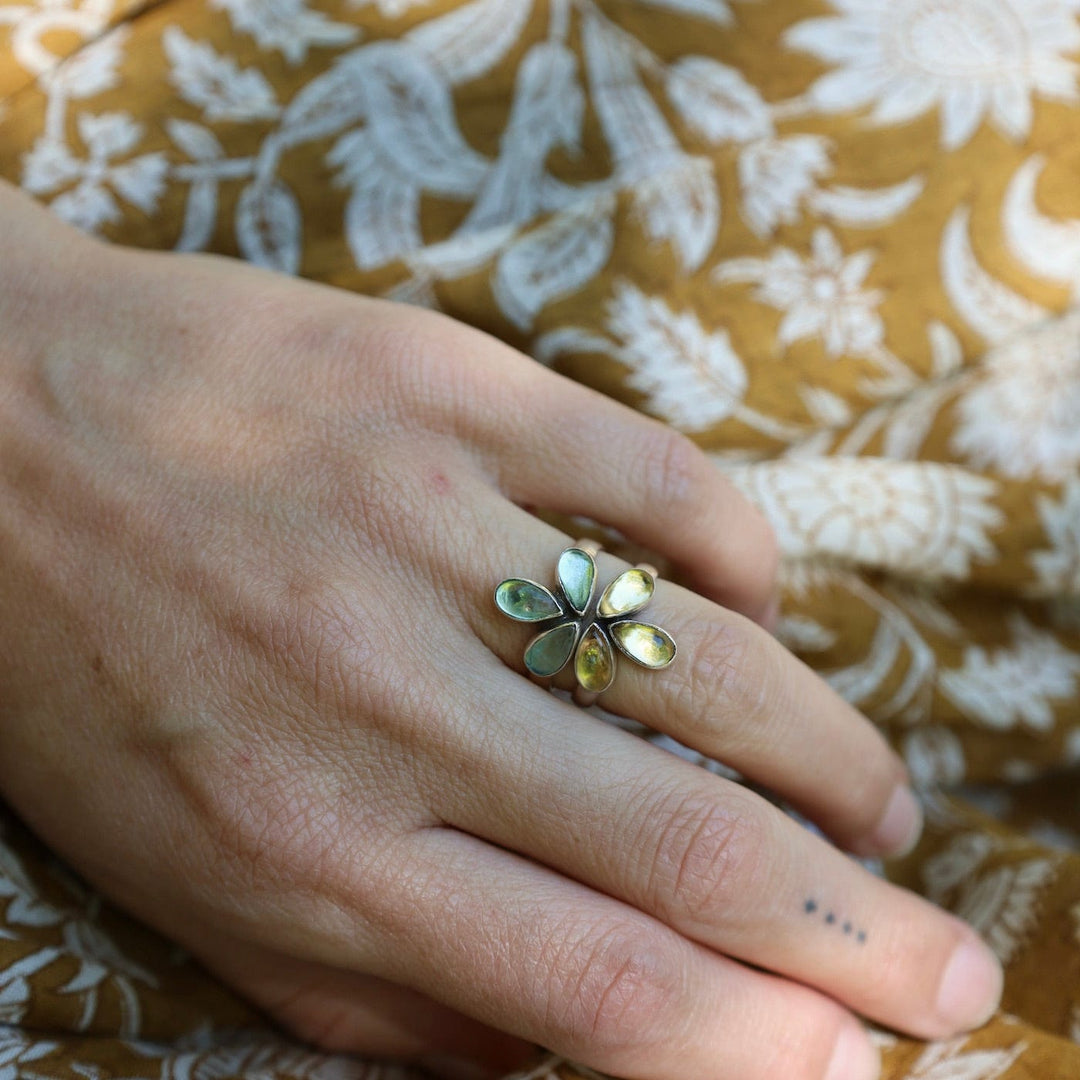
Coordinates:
(835,241)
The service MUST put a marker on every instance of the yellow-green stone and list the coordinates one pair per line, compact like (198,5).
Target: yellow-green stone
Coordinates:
(526,601)
(645,644)
(628,593)
(577,573)
(548,652)
(594,663)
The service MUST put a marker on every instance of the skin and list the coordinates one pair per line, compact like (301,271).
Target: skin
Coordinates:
(257,691)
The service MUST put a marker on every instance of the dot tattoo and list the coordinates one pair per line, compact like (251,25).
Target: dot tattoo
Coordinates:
(830,918)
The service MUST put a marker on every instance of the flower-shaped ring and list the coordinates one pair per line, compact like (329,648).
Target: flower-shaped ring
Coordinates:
(585,627)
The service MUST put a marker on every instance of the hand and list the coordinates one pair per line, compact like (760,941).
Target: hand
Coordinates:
(256,690)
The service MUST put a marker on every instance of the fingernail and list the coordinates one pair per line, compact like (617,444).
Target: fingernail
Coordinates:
(970,989)
(854,1058)
(771,615)
(900,827)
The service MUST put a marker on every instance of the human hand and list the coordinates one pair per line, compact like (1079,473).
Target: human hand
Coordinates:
(256,691)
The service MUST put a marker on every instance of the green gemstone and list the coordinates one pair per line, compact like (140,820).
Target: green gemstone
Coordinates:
(594,664)
(548,652)
(577,575)
(628,593)
(526,601)
(644,644)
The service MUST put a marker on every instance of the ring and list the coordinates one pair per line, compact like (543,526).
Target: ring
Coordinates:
(583,626)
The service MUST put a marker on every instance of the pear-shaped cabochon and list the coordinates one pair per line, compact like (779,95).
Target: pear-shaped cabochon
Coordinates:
(594,663)
(628,593)
(577,576)
(526,601)
(644,644)
(548,652)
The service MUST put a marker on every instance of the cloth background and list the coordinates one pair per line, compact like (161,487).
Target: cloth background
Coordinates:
(838,243)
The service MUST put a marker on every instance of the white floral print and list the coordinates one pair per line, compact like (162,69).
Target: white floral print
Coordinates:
(922,519)
(93,183)
(1021,415)
(691,377)
(1058,568)
(822,296)
(1016,684)
(973,59)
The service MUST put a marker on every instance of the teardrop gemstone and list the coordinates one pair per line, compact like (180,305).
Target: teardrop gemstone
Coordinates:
(526,601)
(628,593)
(548,652)
(594,664)
(577,575)
(644,644)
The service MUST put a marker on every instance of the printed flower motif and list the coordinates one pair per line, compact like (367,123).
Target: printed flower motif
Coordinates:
(972,58)
(1059,567)
(91,182)
(821,296)
(1022,414)
(776,174)
(1017,684)
(920,519)
(584,626)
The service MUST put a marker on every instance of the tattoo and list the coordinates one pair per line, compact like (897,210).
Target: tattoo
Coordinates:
(830,918)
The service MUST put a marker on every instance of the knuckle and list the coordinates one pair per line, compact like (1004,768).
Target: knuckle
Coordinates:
(705,860)
(728,666)
(675,471)
(612,990)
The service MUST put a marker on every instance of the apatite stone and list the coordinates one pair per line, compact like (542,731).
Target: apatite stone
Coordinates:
(526,601)
(548,652)
(628,593)
(645,644)
(577,575)
(594,663)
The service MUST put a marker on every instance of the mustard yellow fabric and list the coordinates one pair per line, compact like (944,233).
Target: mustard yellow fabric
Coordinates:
(835,241)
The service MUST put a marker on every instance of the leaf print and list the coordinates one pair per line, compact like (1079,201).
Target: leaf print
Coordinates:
(554,260)
(934,757)
(1047,247)
(716,102)
(680,205)
(268,226)
(547,112)
(866,207)
(331,101)
(93,69)
(717,11)
(692,378)
(382,217)
(200,216)
(288,26)
(215,83)
(949,1061)
(198,142)
(1058,568)
(988,306)
(1014,684)
(776,174)
(413,123)
(469,41)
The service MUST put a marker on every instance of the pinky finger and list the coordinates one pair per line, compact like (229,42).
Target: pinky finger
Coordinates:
(527,951)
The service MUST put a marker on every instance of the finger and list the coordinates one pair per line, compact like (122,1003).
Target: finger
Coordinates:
(707,857)
(529,952)
(735,694)
(582,453)
(342,1011)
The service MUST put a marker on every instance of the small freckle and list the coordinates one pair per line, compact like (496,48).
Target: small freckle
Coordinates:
(830,918)
(439,483)
(97,663)
(810,907)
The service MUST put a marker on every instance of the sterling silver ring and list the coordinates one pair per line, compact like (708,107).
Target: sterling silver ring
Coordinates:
(584,626)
